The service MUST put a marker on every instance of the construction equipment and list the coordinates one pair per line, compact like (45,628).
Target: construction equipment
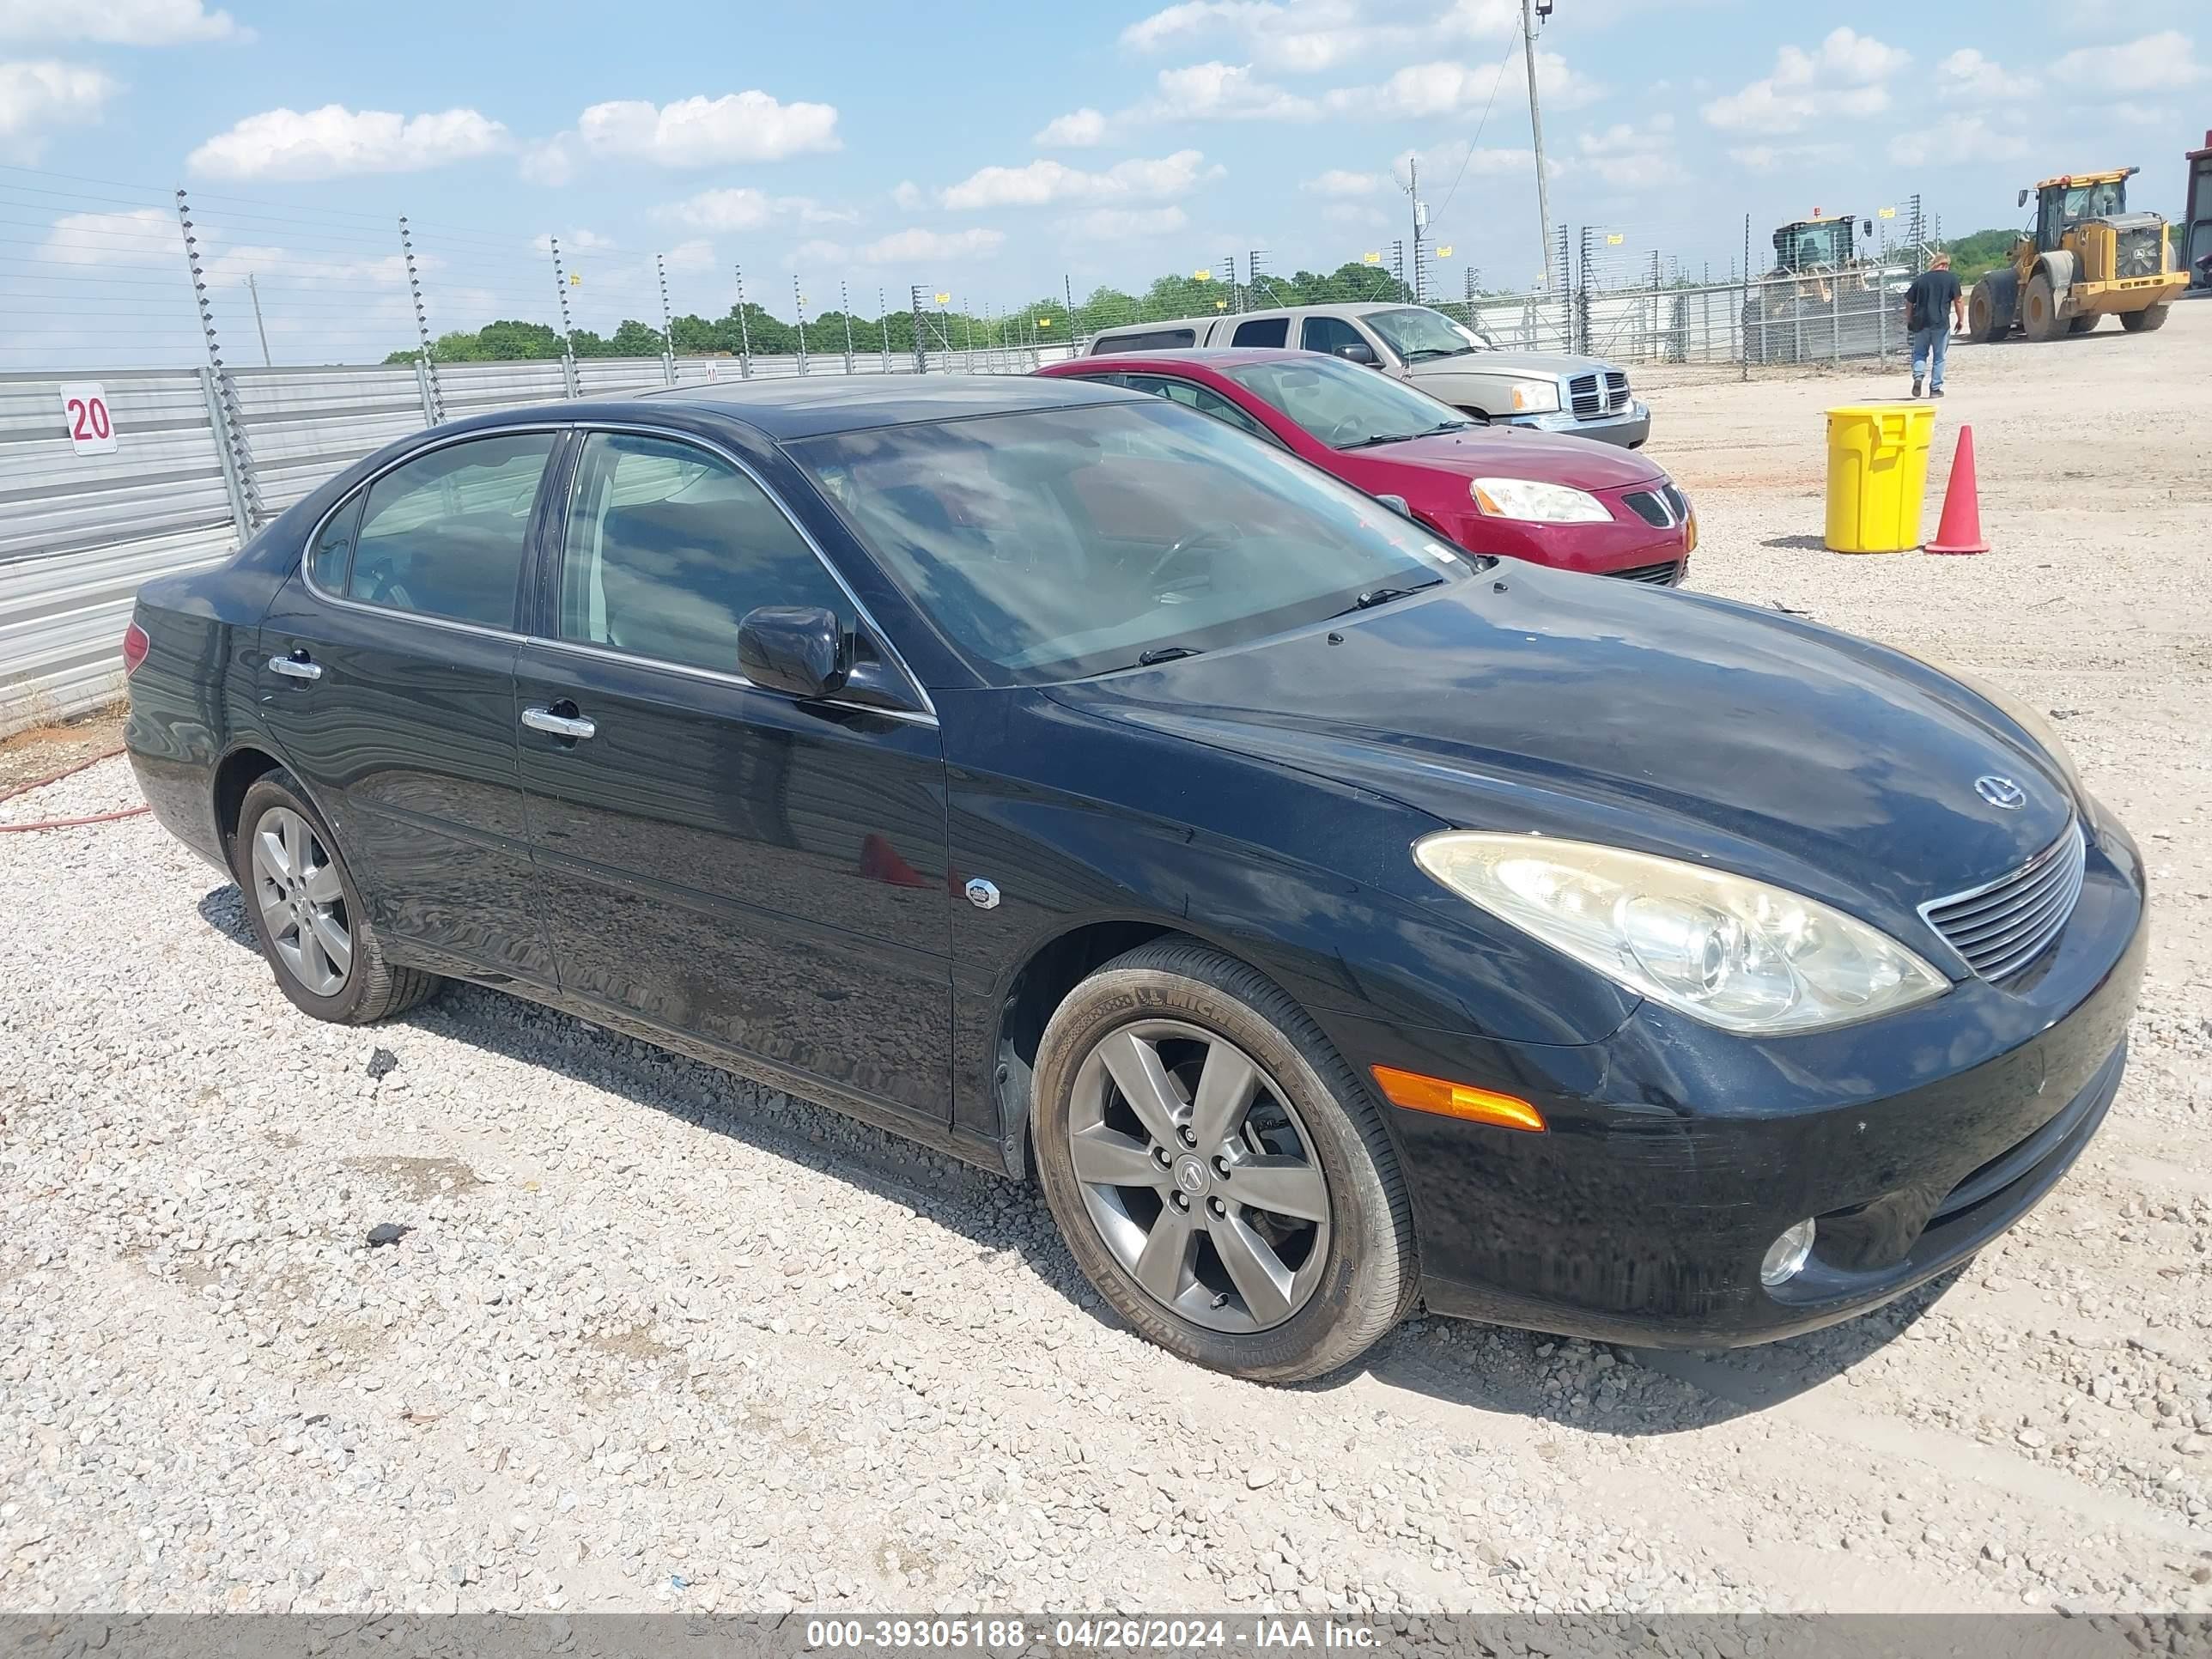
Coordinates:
(1825,297)
(2196,218)
(2085,258)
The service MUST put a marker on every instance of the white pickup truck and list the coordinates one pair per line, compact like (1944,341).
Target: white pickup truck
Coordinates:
(1585,396)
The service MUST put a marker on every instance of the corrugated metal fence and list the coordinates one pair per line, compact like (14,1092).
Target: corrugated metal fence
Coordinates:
(80,532)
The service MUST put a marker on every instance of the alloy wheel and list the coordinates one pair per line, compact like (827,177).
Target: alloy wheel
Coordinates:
(1199,1175)
(301,900)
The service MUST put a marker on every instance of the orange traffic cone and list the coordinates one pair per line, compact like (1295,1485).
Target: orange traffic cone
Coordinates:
(1960,528)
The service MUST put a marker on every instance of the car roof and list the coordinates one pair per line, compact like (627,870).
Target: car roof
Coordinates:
(807,407)
(1213,357)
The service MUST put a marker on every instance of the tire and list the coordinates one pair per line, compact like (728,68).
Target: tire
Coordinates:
(1990,309)
(2083,324)
(2038,318)
(2148,320)
(1348,1272)
(300,929)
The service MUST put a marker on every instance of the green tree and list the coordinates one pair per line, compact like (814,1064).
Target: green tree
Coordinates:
(634,339)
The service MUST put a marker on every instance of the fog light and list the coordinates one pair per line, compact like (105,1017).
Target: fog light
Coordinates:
(1787,1254)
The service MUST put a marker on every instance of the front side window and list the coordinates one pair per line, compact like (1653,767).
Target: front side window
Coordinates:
(1345,406)
(1419,335)
(446,534)
(1328,334)
(1203,398)
(668,546)
(1058,543)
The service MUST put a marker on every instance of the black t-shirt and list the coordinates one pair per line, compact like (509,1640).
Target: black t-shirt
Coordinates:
(1929,299)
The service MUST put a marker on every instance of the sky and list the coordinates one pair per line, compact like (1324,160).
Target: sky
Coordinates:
(993,150)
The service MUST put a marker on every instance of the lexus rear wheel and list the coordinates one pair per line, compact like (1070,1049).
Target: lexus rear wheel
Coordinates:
(1219,1173)
(307,912)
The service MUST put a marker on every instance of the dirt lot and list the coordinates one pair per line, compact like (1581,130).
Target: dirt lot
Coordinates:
(657,1339)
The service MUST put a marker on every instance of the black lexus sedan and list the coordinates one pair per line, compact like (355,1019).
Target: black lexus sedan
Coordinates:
(1328,919)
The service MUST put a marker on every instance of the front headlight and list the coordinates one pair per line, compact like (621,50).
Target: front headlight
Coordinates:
(1535,397)
(1731,952)
(1539,503)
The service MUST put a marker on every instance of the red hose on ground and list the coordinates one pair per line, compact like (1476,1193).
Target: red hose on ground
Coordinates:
(67,824)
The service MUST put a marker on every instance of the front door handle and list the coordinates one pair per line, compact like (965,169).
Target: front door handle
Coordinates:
(561,726)
(296,668)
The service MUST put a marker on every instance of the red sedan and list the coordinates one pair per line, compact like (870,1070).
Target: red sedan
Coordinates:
(1564,501)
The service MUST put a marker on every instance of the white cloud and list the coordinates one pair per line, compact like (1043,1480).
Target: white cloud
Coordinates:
(334,141)
(43,93)
(2154,63)
(1843,76)
(1342,181)
(1124,224)
(1306,36)
(575,242)
(1968,77)
(1352,216)
(117,22)
(944,247)
(1629,157)
(138,237)
(909,196)
(1774,158)
(1224,92)
(1956,139)
(739,126)
(1079,129)
(1042,182)
(550,160)
(743,208)
(1421,91)
(697,254)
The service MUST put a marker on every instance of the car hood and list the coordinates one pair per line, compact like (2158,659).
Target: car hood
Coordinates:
(1520,452)
(1548,364)
(1580,707)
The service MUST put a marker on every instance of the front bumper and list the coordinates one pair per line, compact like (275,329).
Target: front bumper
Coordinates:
(1675,1153)
(1628,427)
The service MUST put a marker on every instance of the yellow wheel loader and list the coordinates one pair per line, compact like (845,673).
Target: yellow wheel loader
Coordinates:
(2086,257)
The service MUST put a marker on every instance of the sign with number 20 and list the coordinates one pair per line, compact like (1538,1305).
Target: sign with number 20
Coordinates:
(91,428)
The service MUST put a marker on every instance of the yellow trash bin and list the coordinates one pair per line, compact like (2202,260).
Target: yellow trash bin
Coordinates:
(1877,475)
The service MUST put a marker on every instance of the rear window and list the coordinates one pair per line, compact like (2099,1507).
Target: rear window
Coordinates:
(1263,332)
(1158,339)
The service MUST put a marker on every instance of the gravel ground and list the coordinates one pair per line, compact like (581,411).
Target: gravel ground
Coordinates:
(656,1338)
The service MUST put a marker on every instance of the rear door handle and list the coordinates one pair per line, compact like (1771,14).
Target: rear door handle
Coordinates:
(561,726)
(296,668)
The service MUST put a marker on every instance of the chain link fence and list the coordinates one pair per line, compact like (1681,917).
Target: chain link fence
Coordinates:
(241,350)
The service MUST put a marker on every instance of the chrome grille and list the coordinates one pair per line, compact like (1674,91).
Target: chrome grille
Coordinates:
(1616,390)
(1659,575)
(2003,925)
(1589,403)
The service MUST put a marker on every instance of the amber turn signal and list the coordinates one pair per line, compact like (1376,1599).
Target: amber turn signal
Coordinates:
(1417,1093)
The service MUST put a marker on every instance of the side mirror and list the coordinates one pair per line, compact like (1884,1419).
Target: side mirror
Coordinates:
(1358,352)
(2023,199)
(1397,504)
(797,648)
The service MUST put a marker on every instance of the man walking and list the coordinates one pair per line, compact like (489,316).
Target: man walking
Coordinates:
(1933,306)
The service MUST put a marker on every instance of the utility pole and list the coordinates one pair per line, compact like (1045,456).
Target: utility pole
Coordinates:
(1536,127)
(1420,217)
(257,328)
(1067,288)
(744,334)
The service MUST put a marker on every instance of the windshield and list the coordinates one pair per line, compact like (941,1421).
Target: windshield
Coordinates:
(1062,542)
(2096,201)
(1344,406)
(1418,334)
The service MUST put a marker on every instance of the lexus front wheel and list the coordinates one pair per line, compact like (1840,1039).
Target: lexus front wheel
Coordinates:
(1220,1174)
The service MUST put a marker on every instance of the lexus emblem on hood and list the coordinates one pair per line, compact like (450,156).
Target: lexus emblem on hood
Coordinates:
(2001,793)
